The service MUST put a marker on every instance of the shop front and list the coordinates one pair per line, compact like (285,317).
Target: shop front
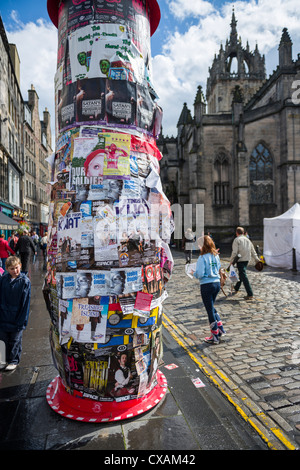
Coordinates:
(7,225)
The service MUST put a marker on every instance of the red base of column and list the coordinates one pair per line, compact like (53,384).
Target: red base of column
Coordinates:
(90,411)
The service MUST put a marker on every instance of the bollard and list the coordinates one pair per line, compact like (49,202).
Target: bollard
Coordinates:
(294,268)
(108,259)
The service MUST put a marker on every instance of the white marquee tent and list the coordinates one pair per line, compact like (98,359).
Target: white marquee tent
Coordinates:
(281,238)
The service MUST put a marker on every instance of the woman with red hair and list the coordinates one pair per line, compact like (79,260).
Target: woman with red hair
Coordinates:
(207,271)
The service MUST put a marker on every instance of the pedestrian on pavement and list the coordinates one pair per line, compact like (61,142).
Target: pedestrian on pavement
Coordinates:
(44,245)
(243,247)
(35,239)
(15,292)
(4,249)
(25,247)
(208,272)
(13,241)
(188,244)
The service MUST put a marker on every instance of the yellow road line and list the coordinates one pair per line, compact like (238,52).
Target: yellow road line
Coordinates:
(171,327)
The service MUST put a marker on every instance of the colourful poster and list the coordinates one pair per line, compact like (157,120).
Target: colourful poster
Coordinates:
(103,157)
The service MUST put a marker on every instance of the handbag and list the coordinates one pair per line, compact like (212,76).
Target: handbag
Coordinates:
(259,266)
(223,277)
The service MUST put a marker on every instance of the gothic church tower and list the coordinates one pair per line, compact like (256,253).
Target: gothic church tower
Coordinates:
(234,66)
(238,153)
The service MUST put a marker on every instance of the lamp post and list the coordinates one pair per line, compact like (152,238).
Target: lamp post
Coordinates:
(110,223)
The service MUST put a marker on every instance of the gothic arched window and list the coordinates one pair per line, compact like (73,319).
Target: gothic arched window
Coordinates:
(261,176)
(221,179)
(233,65)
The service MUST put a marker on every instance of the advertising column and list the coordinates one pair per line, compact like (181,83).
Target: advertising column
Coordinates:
(108,256)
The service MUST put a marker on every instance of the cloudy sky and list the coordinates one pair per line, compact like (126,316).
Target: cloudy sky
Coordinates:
(183,47)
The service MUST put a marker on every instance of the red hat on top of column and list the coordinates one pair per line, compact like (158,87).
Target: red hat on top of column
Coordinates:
(53,5)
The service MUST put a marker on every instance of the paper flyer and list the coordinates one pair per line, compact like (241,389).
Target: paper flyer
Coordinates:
(65,315)
(142,304)
(66,285)
(103,156)
(69,236)
(105,234)
(89,317)
(125,281)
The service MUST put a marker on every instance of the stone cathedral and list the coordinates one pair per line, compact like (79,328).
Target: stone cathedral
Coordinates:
(238,152)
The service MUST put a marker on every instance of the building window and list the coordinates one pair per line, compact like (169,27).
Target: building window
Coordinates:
(221,180)
(261,176)
(14,186)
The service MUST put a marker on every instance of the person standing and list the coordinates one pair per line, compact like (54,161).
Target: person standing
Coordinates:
(208,272)
(13,241)
(43,244)
(243,247)
(15,293)
(25,247)
(4,249)
(188,244)
(35,240)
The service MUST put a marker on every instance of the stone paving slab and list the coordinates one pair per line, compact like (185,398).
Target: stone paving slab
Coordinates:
(257,364)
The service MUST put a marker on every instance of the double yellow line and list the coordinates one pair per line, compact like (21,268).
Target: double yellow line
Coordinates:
(213,376)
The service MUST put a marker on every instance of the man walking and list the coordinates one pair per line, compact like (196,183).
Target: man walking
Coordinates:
(243,246)
(25,247)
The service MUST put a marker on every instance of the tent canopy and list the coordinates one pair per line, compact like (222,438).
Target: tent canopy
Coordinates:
(282,239)
(6,223)
(290,217)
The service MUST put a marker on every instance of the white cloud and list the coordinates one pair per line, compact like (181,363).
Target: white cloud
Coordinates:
(188,52)
(183,8)
(37,48)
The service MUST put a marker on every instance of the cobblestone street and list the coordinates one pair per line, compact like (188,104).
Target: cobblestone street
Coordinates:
(256,366)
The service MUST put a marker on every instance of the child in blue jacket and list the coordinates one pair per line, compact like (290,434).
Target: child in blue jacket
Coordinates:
(15,292)
(208,272)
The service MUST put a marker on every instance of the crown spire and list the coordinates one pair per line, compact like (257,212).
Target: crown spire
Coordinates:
(233,24)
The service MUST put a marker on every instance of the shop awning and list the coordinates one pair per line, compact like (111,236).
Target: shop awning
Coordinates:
(6,223)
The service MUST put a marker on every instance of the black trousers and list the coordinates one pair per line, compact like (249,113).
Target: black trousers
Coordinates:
(242,267)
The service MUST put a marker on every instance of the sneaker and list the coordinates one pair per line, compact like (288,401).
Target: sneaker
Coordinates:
(211,340)
(11,367)
(221,329)
(248,297)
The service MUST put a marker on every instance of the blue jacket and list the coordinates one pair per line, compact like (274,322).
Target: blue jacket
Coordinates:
(207,268)
(14,302)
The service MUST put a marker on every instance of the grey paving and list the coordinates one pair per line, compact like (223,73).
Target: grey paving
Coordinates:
(256,367)
(250,399)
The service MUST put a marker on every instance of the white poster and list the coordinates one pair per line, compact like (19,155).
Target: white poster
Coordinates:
(89,319)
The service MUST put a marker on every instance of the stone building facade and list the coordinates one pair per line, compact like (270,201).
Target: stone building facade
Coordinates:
(25,143)
(11,125)
(37,148)
(239,153)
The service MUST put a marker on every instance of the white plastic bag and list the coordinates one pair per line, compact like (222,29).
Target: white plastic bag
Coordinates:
(189,268)
(232,274)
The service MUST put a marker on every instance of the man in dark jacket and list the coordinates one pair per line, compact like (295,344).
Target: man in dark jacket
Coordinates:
(25,247)
(15,293)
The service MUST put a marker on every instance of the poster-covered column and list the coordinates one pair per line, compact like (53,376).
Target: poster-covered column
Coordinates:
(110,222)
